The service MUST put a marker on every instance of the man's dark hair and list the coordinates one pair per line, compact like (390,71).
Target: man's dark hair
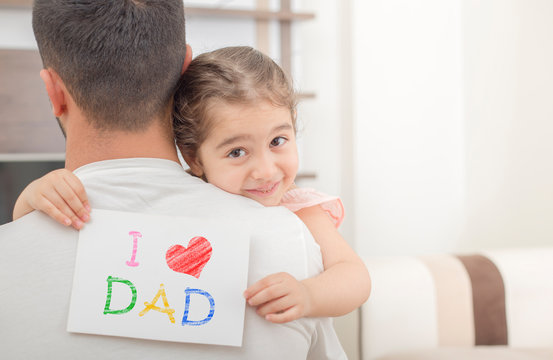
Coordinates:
(119,59)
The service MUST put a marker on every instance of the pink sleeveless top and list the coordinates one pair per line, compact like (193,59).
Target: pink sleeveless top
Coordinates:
(300,198)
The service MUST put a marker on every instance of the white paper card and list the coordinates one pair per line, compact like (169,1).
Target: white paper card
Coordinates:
(160,277)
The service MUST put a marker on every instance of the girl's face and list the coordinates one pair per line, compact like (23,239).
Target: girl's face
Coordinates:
(250,151)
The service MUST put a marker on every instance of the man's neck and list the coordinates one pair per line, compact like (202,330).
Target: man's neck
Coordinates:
(87,145)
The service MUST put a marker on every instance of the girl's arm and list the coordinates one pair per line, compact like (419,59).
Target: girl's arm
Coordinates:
(59,194)
(341,288)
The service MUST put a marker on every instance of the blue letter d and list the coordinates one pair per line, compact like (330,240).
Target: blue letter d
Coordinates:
(185,320)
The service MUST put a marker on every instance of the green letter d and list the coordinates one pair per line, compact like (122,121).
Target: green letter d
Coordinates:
(107,309)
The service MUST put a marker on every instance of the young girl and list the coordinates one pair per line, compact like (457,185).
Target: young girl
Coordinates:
(234,121)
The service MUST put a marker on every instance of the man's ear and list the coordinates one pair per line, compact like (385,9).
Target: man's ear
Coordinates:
(55,90)
(187,59)
(194,164)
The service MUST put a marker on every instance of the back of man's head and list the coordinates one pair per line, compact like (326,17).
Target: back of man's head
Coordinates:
(119,59)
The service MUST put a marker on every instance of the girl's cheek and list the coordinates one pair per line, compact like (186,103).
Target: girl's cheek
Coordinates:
(229,182)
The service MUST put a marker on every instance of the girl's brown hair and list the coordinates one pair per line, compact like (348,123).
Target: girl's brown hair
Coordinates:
(232,75)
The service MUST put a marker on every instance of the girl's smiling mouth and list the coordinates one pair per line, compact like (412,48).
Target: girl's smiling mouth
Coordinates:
(264,191)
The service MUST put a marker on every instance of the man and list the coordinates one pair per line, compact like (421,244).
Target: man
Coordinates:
(110,69)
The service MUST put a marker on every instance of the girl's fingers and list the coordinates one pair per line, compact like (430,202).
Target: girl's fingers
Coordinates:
(288,315)
(268,294)
(51,210)
(266,282)
(79,190)
(52,198)
(276,306)
(259,285)
(67,193)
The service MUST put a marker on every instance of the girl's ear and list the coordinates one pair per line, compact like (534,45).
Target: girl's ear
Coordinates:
(194,164)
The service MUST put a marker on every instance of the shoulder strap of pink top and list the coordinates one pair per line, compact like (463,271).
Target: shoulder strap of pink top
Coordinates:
(300,198)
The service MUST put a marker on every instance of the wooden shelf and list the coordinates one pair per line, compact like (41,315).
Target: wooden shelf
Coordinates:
(251,14)
(24,157)
(28,125)
(16,3)
(306,175)
(304,96)
(207,11)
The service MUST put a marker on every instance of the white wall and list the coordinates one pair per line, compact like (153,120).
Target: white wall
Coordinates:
(317,42)
(408,125)
(452,124)
(508,52)
(16,31)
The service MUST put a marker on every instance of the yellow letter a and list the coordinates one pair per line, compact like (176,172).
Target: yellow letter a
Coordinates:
(152,306)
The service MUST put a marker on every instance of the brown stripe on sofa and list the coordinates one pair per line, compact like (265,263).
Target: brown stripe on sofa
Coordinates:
(488,296)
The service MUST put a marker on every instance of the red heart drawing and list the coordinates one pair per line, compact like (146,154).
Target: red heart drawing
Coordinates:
(190,260)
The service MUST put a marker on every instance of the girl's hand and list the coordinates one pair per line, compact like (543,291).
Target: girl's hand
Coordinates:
(59,194)
(279,298)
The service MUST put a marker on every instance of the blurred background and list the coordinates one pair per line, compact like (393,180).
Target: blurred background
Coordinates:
(432,119)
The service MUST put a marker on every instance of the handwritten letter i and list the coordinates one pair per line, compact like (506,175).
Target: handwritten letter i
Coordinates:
(135,235)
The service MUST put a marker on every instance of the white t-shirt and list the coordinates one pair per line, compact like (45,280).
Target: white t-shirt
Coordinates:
(37,258)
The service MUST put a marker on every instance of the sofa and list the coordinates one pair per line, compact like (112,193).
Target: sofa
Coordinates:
(496,304)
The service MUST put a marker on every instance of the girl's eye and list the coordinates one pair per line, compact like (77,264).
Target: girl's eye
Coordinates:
(279,140)
(235,153)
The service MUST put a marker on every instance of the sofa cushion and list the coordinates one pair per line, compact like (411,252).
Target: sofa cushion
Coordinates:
(475,353)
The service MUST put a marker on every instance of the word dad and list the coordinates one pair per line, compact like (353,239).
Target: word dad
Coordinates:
(166,309)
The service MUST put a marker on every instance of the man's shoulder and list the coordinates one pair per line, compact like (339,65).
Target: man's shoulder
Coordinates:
(242,207)
(35,229)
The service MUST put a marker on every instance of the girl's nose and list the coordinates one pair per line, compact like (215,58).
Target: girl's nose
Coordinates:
(264,167)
